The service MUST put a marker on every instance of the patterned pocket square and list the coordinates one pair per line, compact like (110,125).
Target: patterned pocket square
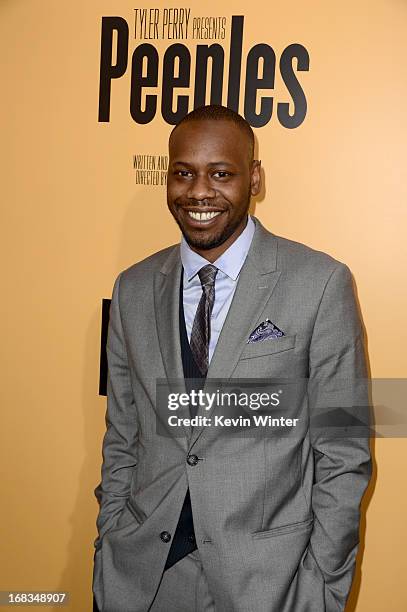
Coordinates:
(264,331)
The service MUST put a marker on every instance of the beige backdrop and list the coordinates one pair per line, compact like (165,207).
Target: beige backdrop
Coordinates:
(74,217)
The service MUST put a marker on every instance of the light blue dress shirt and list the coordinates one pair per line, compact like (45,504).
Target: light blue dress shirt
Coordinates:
(229,265)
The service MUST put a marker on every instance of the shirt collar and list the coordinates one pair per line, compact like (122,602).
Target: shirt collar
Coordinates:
(230,262)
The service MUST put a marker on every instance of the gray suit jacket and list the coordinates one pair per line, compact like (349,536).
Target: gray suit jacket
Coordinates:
(276,519)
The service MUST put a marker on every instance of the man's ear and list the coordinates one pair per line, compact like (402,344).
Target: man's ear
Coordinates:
(255,178)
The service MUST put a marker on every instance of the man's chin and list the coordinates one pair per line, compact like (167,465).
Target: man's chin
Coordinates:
(204,243)
(204,239)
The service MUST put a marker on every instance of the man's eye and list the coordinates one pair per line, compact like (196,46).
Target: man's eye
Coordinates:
(222,174)
(183,173)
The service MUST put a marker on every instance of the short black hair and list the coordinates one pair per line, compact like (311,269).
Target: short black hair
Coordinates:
(216,112)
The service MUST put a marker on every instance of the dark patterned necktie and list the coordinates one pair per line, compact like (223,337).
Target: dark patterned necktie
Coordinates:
(201,328)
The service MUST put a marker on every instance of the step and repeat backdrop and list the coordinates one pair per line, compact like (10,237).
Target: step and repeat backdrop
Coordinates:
(90,93)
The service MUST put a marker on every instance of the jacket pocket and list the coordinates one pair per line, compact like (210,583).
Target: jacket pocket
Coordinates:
(126,518)
(268,347)
(136,512)
(290,528)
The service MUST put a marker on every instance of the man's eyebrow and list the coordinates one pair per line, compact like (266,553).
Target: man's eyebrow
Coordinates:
(214,163)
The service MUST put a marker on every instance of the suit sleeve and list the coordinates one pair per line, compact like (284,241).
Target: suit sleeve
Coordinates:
(338,397)
(119,447)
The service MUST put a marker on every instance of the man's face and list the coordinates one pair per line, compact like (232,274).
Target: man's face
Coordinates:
(211,177)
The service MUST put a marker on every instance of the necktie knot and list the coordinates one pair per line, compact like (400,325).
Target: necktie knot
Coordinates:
(207,275)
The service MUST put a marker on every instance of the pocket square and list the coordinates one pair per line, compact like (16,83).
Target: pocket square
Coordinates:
(264,331)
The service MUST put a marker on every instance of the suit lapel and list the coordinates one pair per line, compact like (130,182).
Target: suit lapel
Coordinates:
(257,280)
(166,304)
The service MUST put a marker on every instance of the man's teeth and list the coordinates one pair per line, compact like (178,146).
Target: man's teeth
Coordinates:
(203,216)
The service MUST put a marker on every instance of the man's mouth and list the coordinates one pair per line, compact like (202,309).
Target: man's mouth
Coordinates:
(202,216)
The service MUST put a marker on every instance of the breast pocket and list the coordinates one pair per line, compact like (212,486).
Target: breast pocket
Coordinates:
(270,358)
(271,346)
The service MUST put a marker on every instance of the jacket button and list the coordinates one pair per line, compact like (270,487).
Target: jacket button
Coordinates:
(192,459)
(165,536)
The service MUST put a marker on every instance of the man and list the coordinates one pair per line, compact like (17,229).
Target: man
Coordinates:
(209,521)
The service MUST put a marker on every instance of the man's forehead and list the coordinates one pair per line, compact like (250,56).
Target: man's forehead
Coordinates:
(203,127)
(221,133)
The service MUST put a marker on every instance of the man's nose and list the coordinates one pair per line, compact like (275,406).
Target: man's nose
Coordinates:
(200,188)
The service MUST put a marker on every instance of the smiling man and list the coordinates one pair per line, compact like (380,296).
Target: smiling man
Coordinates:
(206,521)
(211,179)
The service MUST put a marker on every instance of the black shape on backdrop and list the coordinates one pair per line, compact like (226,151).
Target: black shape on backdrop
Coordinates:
(236,41)
(253,83)
(217,55)
(140,80)
(180,52)
(109,71)
(291,52)
(103,355)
